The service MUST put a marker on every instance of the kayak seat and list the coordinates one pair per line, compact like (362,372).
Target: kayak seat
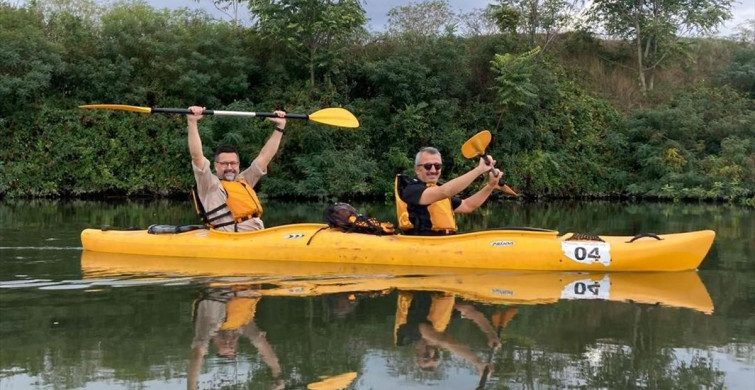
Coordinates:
(584,237)
(172,229)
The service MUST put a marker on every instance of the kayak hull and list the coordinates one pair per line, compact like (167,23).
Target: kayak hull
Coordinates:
(540,250)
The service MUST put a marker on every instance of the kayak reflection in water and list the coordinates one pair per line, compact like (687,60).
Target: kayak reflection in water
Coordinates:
(223,316)
(422,318)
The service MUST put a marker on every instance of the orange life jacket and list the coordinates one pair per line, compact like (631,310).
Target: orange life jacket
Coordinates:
(242,204)
(441,213)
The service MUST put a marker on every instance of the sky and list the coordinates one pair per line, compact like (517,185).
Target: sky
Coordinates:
(742,10)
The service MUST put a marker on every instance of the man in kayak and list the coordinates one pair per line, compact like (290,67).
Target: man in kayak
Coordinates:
(425,208)
(227,198)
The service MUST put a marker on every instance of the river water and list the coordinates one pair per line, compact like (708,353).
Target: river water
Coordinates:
(73,320)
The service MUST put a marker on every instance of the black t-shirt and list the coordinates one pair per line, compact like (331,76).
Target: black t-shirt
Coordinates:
(418,214)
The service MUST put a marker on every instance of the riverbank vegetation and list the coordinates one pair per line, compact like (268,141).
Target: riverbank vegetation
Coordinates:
(572,114)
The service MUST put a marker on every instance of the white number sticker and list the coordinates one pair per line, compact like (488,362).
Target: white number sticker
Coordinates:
(588,252)
(588,289)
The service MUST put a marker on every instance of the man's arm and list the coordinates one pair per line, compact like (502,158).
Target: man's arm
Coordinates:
(446,342)
(453,187)
(271,146)
(478,198)
(258,339)
(471,313)
(195,142)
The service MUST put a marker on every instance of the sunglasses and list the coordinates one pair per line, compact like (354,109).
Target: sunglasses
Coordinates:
(429,166)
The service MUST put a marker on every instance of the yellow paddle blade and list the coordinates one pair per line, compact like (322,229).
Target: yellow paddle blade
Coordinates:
(334,382)
(335,117)
(118,107)
(507,190)
(475,146)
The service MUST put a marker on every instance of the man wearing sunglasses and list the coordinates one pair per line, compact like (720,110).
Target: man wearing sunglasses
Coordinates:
(425,208)
(227,199)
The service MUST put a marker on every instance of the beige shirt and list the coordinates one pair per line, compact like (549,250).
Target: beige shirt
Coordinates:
(212,194)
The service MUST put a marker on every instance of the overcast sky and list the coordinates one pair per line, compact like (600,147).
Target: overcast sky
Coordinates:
(376,10)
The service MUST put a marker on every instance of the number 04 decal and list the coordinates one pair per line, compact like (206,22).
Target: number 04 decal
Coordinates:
(588,289)
(588,252)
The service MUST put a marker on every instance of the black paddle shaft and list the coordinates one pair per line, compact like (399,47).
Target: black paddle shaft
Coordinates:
(501,181)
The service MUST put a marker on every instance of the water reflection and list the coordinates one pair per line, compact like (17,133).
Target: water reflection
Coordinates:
(677,289)
(447,329)
(223,315)
(68,320)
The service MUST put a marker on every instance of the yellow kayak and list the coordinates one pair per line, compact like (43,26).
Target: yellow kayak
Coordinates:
(295,279)
(514,249)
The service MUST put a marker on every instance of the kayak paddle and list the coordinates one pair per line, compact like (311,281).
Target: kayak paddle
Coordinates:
(499,321)
(475,148)
(330,116)
(334,382)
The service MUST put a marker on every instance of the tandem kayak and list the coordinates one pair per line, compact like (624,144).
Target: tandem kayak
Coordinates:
(505,249)
(295,279)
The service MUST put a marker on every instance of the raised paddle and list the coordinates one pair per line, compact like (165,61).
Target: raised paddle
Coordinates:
(329,116)
(476,147)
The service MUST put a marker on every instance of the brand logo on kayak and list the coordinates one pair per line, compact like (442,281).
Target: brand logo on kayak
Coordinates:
(501,292)
(293,236)
(502,243)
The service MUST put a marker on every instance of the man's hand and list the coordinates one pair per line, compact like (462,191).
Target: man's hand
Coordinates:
(196,114)
(493,341)
(484,166)
(494,179)
(280,120)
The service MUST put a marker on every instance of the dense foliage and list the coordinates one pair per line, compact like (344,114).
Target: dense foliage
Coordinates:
(554,132)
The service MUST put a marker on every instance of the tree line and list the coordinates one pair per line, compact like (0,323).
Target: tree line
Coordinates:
(655,115)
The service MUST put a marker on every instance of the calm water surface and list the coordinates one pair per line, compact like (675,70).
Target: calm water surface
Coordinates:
(80,321)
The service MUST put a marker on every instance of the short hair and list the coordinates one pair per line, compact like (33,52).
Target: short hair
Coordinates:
(428,150)
(225,149)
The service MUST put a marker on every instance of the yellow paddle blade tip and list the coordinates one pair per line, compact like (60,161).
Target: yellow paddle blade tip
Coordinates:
(117,107)
(335,116)
(507,190)
(334,382)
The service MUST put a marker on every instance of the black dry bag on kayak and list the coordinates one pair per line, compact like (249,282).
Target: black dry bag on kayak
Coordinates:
(345,217)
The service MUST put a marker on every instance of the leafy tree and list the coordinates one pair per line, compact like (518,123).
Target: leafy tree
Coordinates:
(533,17)
(229,8)
(699,145)
(741,72)
(504,16)
(28,59)
(476,23)
(554,139)
(656,27)
(426,18)
(316,31)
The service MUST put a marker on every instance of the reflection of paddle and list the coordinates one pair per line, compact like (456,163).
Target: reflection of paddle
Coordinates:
(500,320)
(475,148)
(334,382)
(329,116)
